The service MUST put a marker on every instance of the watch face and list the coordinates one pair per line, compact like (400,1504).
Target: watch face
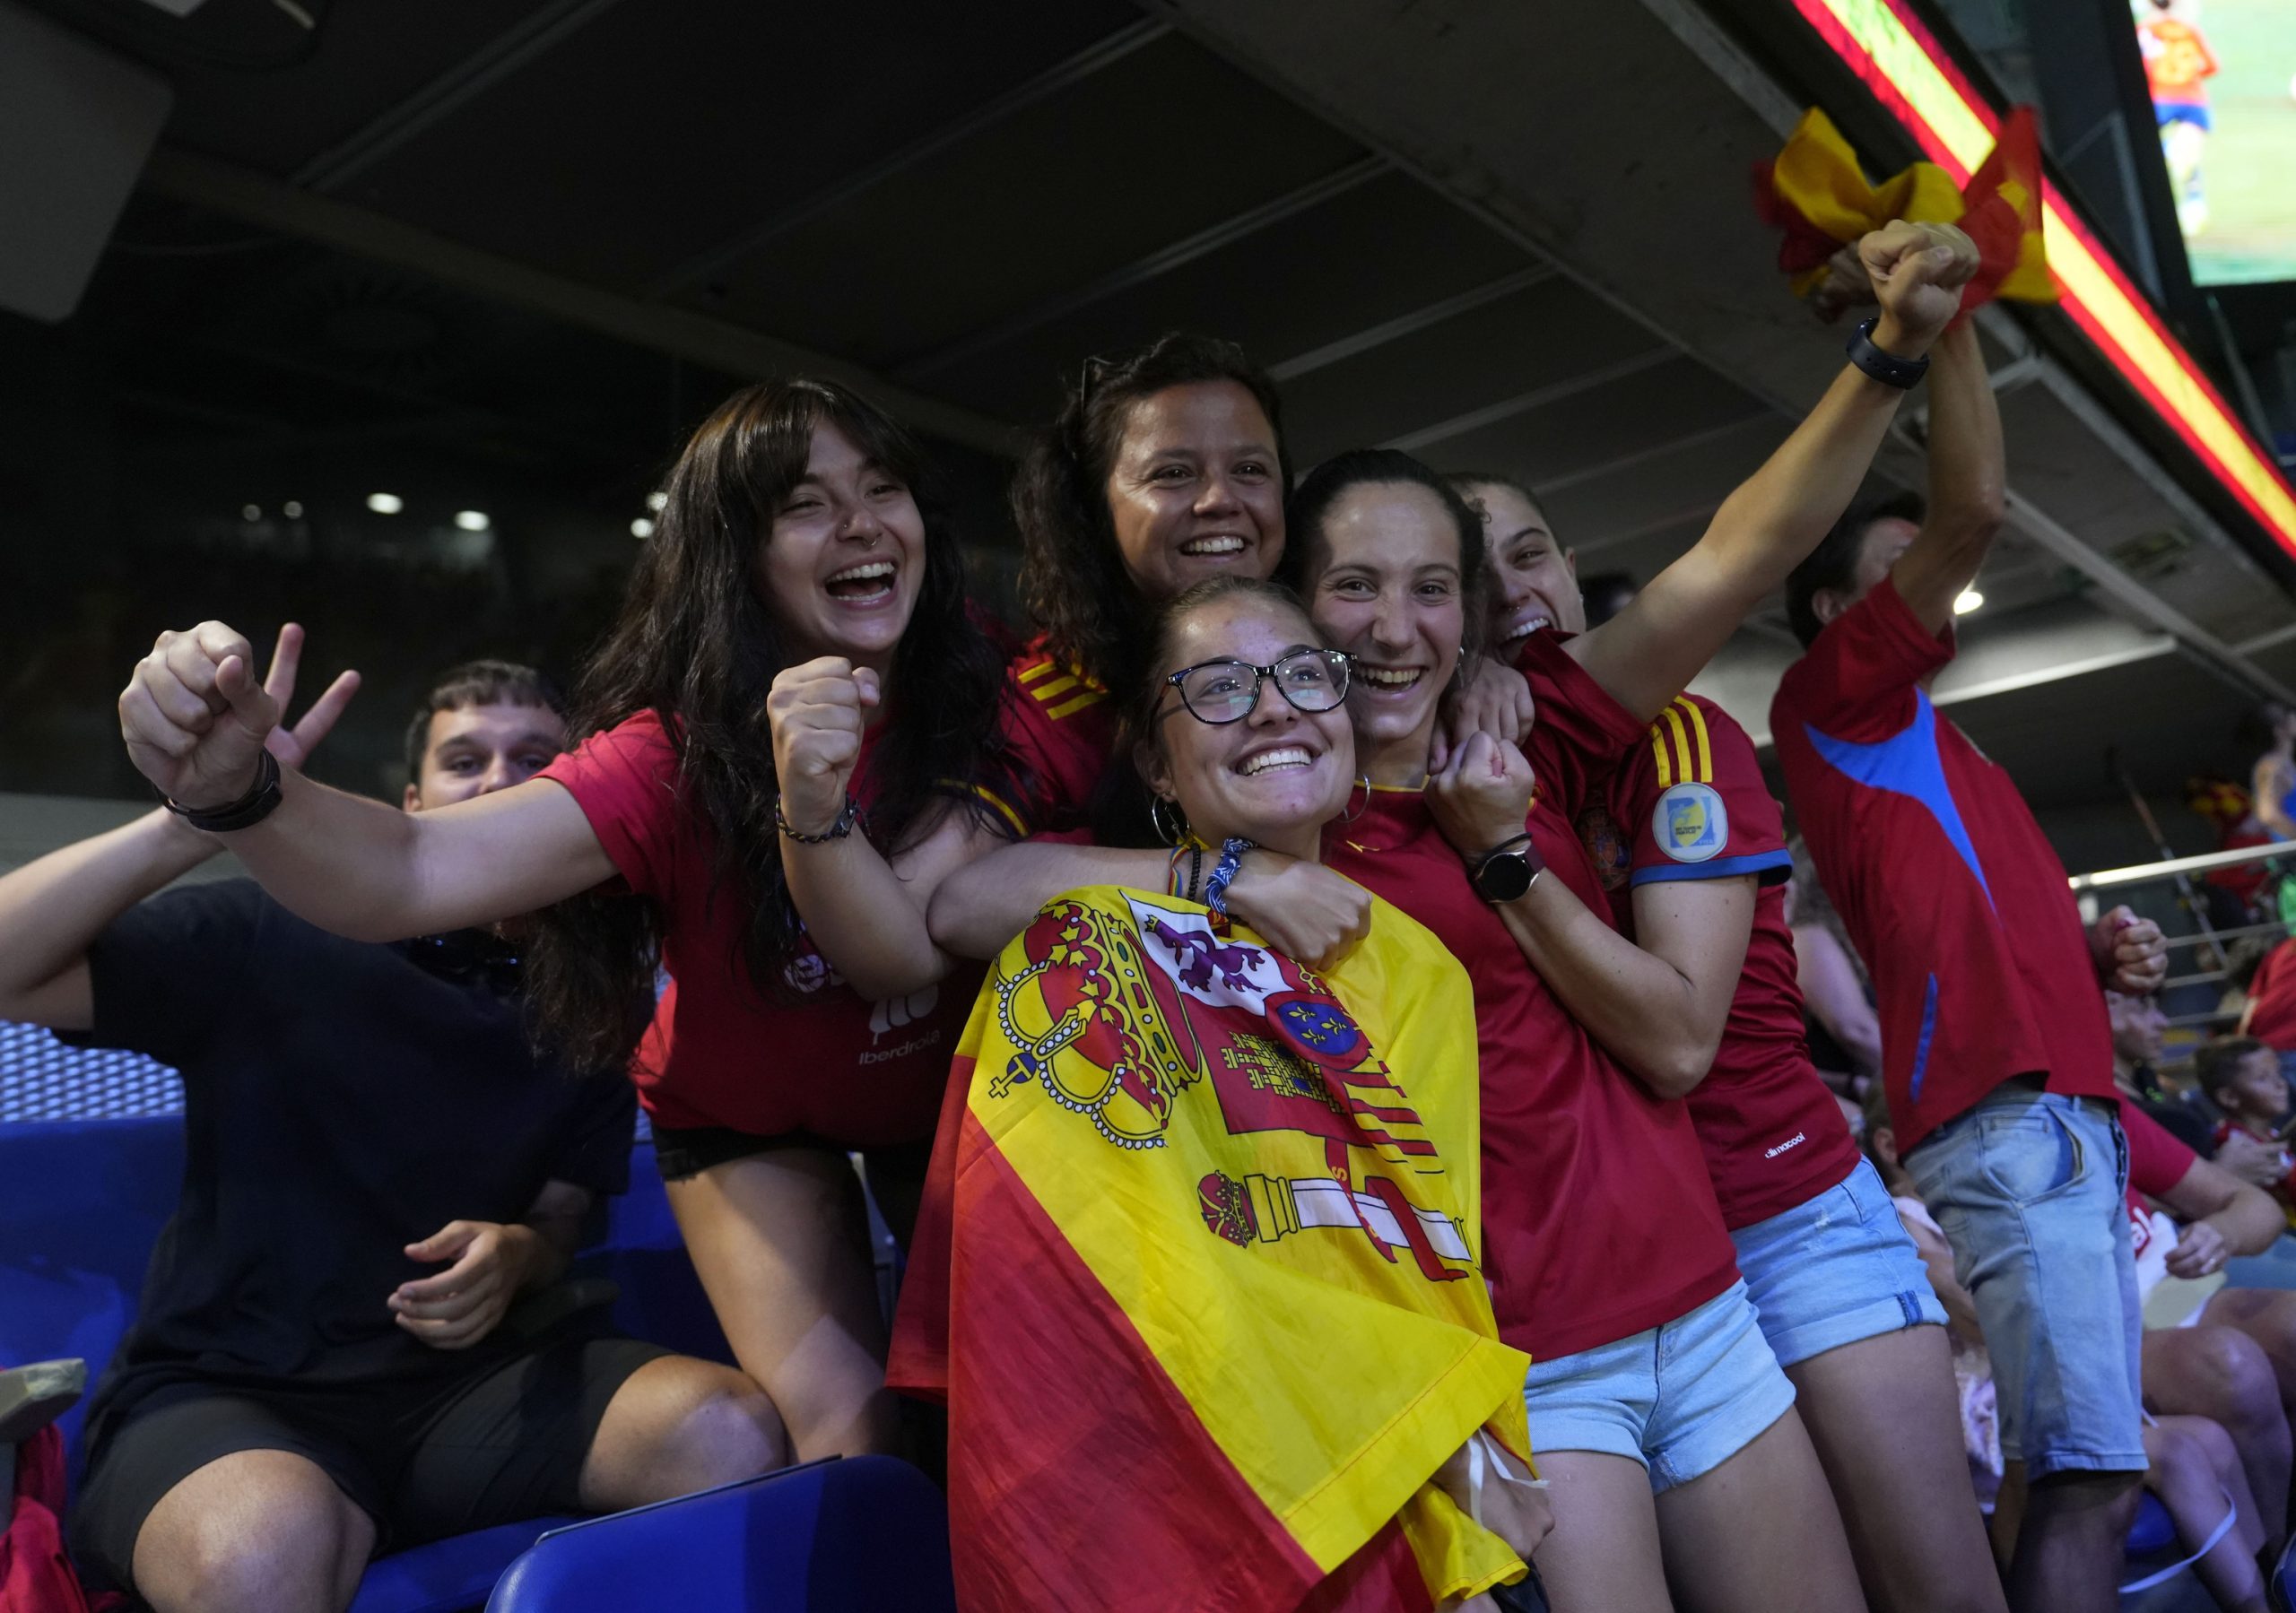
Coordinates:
(1503,877)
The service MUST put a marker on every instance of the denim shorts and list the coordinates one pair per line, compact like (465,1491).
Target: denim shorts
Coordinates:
(2027,1186)
(1835,1269)
(1682,1398)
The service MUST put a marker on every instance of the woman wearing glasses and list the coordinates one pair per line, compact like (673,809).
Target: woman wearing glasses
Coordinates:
(795,646)
(1216,1217)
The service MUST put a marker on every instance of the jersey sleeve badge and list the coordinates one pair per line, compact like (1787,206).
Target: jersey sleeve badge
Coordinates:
(1690,823)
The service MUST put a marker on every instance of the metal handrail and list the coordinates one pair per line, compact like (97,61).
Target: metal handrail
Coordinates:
(2169,868)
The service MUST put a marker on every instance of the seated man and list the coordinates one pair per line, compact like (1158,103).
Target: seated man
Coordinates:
(2140,1031)
(332,1358)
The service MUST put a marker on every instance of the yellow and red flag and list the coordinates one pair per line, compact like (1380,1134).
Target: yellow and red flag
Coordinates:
(1196,1274)
(1818,197)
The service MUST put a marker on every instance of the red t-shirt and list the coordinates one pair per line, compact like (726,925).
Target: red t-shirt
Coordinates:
(1598,1220)
(720,1052)
(1060,731)
(1691,804)
(2273,992)
(1952,895)
(2157,1162)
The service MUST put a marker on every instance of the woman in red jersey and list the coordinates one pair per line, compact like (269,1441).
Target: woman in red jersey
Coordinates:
(1695,992)
(1166,467)
(1608,1252)
(784,724)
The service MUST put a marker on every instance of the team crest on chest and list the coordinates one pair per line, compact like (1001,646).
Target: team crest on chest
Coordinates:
(1605,846)
(1690,823)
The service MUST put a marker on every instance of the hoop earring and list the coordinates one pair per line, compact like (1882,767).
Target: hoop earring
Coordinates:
(1365,780)
(1170,824)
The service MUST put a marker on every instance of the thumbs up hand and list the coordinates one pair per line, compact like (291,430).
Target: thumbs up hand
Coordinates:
(196,716)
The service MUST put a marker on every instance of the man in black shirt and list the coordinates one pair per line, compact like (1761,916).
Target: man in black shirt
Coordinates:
(347,1341)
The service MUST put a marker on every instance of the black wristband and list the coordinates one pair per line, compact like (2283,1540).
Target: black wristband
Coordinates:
(262,800)
(1887,368)
(836,831)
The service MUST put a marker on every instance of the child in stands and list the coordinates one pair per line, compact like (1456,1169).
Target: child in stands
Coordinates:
(2241,1076)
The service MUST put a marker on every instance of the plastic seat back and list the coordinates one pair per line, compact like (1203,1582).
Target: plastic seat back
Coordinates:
(865,1532)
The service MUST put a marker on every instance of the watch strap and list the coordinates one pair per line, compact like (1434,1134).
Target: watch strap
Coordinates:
(1887,368)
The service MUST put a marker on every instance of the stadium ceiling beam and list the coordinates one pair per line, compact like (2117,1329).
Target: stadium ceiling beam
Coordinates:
(1238,227)
(1538,397)
(268,203)
(1076,69)
(452,90)
(1407,325)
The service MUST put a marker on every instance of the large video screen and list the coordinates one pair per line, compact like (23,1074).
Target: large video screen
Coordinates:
(2222,76)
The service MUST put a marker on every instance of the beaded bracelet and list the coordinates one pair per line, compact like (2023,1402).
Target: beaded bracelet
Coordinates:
(836,831)
(1231,857)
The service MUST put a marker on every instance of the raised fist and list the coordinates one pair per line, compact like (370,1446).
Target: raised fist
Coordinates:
(1917,272)
(1483,796)
(194,718)
(818,710)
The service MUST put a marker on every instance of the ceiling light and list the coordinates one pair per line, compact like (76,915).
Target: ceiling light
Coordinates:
(1969,600)
(657,500)
(472,520)
(292,510)
(250,512)
(641,528)
(386,503)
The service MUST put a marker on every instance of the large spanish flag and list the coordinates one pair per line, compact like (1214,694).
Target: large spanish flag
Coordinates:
(1196,1272)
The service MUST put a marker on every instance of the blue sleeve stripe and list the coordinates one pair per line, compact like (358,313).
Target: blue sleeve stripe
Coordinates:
(1720,868)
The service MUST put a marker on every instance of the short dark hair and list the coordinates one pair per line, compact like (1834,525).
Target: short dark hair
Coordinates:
(1074,585)
(1369,467)
(483,683)
(1466,480)
(2217,1060)
(1833,563)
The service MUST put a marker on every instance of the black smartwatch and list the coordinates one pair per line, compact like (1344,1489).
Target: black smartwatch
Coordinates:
(1506,871)
(1887,368)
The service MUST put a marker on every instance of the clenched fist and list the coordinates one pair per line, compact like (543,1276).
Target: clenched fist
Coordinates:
(197,721)
(818,710)
(1916,271)
(1483,796)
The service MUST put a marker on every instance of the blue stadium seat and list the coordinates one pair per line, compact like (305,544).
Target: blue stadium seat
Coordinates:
(83,1202)
(864,1533)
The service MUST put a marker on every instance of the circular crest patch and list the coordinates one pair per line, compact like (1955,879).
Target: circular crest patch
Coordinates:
(1319,1028)
(1690,823)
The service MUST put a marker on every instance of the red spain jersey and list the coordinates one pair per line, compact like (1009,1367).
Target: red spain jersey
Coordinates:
(1598,1220)
(1690,803)
(2274,992)
(1060,733)
(719,1051)
(1955,897)
(2178,61)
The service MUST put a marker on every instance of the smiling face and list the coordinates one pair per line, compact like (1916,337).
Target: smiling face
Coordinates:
(1277,776)
(1535,579)
(1196,490)
(1386,588)
(842,565)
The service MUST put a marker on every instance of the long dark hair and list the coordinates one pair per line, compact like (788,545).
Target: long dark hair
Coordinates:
(1367,467)
(694,644)
(1072,582)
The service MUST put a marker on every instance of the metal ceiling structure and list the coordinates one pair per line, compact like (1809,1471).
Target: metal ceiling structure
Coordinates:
(1515,238)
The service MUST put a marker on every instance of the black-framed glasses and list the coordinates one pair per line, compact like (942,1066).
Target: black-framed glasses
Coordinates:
(1225,692)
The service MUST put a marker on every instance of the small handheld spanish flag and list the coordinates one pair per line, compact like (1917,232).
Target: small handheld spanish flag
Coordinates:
(1815,192)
